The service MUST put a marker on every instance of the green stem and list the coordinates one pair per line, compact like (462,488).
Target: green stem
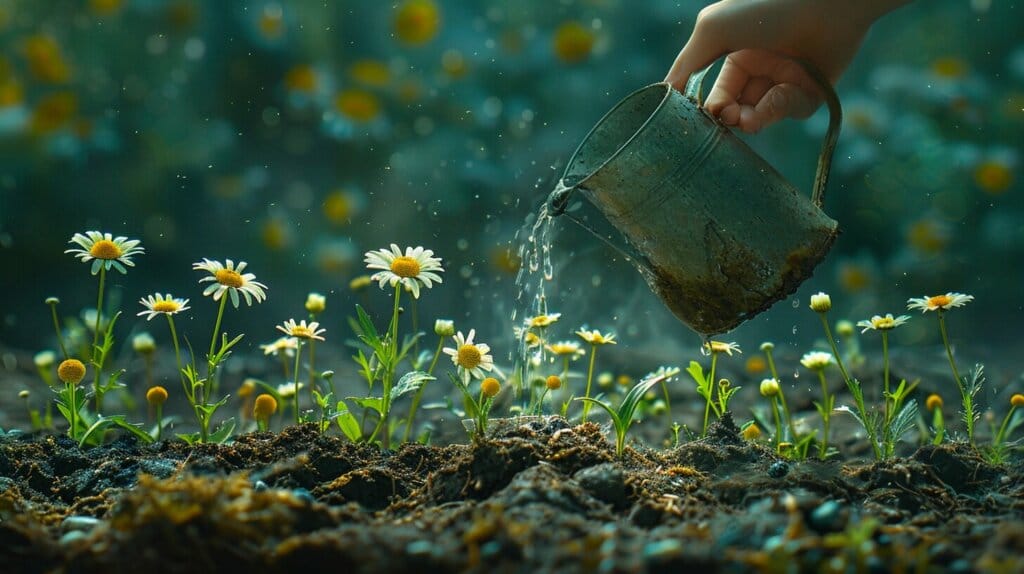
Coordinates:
(782,395)
(968,400)
(298,354)
(312,375)
(1001,435)
(590,378)
(177,357)
(284,364)
(707,404)
(73,408)
(778,423)
(389,373)
(419,392)
(95,342)
(56,327)
(148,359)
(207,388)
(826,414)
(854,388)
(159,421)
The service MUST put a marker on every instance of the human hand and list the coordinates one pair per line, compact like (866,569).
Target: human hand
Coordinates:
(760,83)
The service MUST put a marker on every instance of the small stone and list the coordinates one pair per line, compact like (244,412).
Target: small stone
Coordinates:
(70,537)
(260,486)
(419,548)
(79,523)
(662,549)
(304,495)
(828,517)
(605,482)
(778,469)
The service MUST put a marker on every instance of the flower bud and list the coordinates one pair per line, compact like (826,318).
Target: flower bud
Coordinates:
(71,371)
(264,407)
(316,303)
(1017,400)
(156,396)
(933,402)
(444,328)
(553,383)
(490,387)
(844,328)
(769,388)
(752,432)
(143,344)
(767,347)
(23,394)
(44,359)
(821,302)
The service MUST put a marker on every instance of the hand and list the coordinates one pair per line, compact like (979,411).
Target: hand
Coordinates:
(760,83)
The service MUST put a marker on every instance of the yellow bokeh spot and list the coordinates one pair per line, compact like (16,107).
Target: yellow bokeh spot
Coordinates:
(358,105)
(573,42)
(53,112)
(182,14)
(11,94)
(409,91)
(505,261)
(854,277)
(275,235)
(454,64)
(370,72)
(950,67)
(301,79)
(928,237)
(339,207)
(993,177)
(756,365)
(105,6)
(271,22)
(45,61)
(417,22)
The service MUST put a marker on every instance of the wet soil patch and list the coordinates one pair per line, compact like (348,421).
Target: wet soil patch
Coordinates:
(539,495)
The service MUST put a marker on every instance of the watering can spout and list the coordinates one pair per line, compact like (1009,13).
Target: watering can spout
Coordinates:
(559,199)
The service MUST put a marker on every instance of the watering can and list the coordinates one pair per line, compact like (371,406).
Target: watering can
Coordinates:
(718,234)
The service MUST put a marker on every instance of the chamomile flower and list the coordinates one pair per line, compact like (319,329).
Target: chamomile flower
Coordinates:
(471,359)
(817,360)
(570,349)
(880,323)
(161,305)
(529,338)
(228,278)
(939,302)
(542,320)
(302,330)
(105,251)
(289,390)
(286,345)
(663,372)
(722,347)
(416,267)
(595,337)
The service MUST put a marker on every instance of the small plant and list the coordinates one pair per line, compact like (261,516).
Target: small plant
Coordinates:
(767,348)
(595,339)
(770,389)
(478,407)
(69,403)
(898,414)
(968,387)
(996,453)
(551,383)
(705,384)
(622,417)
(263,408)
(817,362)
(315,305)
(821,304)
(302,333)
(156,397)
(444,329)
(934,405)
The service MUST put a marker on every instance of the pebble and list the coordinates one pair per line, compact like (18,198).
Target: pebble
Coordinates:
(419,548)
(72,536)
(79,523)
(663,549)
(778,469)
(605,482)
(828,517)
(304,495)
(260,486)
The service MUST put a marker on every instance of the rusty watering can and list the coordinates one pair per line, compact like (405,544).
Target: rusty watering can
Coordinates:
(716,232)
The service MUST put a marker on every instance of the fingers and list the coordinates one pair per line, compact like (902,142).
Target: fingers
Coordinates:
(779,102)
(728,87)
(706,44)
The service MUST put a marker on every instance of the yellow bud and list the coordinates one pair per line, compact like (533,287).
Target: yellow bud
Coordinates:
(821,302)
(316,303)
(1017,400)
(752,432)
(553,383)
(490,387)
(265,406)
(156,396)
(933,402)
(71,371)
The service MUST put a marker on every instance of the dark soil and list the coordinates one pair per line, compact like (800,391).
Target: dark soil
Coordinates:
(537,496)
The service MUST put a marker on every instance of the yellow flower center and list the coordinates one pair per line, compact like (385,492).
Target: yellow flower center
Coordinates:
(167,306)
(469,357)
(884,323)
(939,301)
(229,278)
(302,332)
(405,267)
(105,249)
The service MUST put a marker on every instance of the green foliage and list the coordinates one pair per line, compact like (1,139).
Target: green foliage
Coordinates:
(622,417)
(477,408)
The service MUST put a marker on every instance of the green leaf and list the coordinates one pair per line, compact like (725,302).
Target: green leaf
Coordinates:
(374,403)
(96,430)
(348,424)
(223,432)
(367,332)
(903,421)
(410,382)
(634,396)
(191,439)
(608,409)
(697,372)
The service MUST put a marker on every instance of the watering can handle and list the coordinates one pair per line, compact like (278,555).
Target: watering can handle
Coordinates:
(694,87)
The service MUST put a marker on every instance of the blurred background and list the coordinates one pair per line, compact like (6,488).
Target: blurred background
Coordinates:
(296,135)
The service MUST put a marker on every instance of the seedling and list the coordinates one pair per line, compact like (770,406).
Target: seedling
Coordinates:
(622,417)
(478,406)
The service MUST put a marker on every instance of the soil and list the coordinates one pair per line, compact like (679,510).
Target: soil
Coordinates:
(534,496)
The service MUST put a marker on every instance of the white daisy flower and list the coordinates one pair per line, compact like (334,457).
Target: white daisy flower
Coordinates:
(566,348)
(596,338)
(542,320)
(880,323)
(105,251)
(288,390)
(416,267)
(472,359)
(723,347)
(286,345)
(301,330)
(229,278)
(939,302)
(816,360)
(162,305)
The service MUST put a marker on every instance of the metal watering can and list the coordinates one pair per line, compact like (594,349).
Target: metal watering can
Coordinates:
(716,232)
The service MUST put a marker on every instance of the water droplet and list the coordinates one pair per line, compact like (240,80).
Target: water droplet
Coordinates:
(796,303)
